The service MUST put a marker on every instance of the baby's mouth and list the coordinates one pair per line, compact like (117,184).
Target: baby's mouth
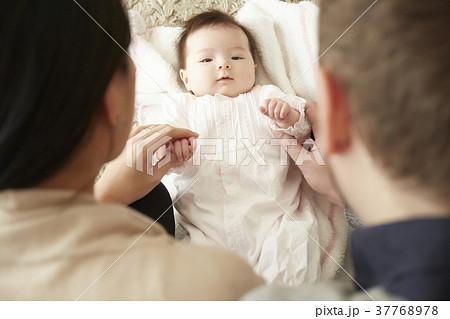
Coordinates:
(225,78)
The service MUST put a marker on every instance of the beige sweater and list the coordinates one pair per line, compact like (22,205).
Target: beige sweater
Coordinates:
(56,243)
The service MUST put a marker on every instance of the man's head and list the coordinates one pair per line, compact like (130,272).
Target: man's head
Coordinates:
(386,83)
(216,55)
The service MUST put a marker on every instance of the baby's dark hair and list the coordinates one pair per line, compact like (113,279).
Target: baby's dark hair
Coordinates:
(209,19)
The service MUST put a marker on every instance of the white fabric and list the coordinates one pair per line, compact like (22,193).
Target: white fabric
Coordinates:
(235,202)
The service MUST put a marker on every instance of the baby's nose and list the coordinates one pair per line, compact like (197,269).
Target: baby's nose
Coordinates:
(223,66)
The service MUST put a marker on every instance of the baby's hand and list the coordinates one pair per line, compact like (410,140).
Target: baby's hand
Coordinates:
(280,111)
(183,149)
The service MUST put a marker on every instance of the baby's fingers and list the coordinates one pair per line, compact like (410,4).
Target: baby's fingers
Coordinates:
(185,149)
(285,110)
(278,111)
(266,104)
(263,110)
(177,150)
(192,144)
(272,106)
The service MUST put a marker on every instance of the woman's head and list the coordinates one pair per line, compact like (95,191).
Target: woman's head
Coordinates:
(56,66)
(216,55)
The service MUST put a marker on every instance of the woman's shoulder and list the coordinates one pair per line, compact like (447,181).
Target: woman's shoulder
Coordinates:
(130,248)
(167,269)
(185,271)
(208,273)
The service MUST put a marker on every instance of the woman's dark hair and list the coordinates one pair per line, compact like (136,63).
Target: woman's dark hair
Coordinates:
(56,64)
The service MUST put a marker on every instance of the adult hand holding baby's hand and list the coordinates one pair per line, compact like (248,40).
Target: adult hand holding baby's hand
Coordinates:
(280,111)
(183,149)
(317,176)
(126,178)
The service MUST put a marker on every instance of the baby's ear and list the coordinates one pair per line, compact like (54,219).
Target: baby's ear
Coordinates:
(184,78)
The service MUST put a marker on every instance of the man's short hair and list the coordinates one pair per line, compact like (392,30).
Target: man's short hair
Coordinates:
(394,64)
(209,19)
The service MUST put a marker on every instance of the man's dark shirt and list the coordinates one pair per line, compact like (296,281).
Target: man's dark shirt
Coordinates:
(410,259)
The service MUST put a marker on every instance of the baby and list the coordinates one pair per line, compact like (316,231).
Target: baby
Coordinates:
(237,191)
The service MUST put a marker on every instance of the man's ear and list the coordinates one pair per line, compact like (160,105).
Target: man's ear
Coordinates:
(184,78)
(334,114)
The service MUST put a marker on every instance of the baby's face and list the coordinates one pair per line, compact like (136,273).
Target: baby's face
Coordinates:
(218,60)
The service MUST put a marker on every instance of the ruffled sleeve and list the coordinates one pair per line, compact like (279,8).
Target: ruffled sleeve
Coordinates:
(301,129)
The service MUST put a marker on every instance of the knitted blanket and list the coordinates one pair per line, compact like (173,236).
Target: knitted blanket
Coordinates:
(173,13)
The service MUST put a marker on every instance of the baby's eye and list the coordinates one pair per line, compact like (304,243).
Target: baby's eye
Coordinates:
(206,60)
(236,58)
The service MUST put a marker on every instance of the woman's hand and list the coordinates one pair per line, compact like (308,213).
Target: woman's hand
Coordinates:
(318,176)
(131,175)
